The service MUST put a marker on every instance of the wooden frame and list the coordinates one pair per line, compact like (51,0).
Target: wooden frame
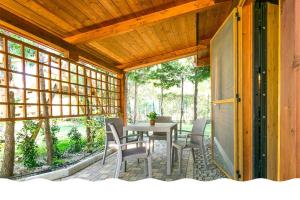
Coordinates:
(71,88)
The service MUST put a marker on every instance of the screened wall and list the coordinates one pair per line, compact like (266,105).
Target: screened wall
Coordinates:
(223,95)
(36,79)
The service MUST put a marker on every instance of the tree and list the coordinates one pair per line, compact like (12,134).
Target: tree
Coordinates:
(165,76)
(47,129)
(138,77)
(196,75)
(7,168)
(184,66)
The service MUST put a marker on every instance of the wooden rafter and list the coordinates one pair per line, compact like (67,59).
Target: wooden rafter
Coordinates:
(131,24)
(25,27)
(204,61)
(162,58)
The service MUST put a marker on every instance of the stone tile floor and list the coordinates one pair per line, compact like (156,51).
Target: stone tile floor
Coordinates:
(199,170)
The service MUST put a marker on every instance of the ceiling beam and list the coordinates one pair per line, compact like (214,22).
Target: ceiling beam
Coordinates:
(26,28)
(131,24)
(145,62)
(204,61)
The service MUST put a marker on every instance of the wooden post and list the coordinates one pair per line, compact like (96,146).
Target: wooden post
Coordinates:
(123,95)
(9,147)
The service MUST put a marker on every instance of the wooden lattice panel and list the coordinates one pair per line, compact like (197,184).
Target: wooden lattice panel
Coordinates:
(37,78)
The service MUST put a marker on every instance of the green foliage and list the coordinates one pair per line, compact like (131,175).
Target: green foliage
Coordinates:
(63,145)
(166,75)
(152,115)
(54,129)
(139,76)
(199,74)
(75,140)
(99,140)
(27,145)
(58,162)
(96,124)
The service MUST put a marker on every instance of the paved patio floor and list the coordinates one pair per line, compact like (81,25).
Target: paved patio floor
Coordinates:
(199,170)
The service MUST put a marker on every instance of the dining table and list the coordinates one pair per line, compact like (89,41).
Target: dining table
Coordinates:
(169,128)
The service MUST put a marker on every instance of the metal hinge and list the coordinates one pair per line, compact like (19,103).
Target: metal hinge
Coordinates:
(238,174)
(238,98)
(237,15)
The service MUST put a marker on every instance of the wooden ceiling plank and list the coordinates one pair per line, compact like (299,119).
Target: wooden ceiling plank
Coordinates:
(39,34)
(162,58)
(32,5)
(131,24)
(107,52)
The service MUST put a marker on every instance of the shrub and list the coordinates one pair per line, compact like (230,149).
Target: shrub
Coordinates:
(75,140)
(54,130)
(96,125)
(27,145)
(99,139)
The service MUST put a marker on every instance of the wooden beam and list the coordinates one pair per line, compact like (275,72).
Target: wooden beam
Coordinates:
(131,24)
(205,61)
(161,58)
(26,28)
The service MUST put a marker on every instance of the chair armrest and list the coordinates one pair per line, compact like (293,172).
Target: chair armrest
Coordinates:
(127,136)
(135,142)
(186,131)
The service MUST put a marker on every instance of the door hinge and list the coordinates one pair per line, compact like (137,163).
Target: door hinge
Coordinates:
(238,174)
(237,15)
(238,98)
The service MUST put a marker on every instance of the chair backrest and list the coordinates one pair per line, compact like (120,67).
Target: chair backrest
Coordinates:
(163,119)
(118,123)
(115,134)
(198,130)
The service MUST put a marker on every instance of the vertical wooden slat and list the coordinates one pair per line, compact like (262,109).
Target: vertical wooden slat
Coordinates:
(24,83)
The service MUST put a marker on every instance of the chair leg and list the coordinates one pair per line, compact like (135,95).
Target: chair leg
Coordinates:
(149,166)
(118,167)
(146,167)
(179,159)
(104,153)
(193,153)
(173,157)
(152,146)
(203,152)
(125,166)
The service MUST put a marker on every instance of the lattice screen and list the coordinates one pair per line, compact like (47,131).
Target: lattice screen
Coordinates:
(37,78)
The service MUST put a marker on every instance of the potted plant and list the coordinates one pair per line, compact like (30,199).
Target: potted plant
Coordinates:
(152,117)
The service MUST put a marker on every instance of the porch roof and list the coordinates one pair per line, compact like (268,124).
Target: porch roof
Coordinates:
(120,35)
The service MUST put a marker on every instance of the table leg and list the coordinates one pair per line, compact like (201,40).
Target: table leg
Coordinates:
(175,138)
(169,151)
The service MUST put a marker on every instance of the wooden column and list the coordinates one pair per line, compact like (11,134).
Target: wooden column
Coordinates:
(247,89)
(288,106)
(297,67)
(123,95)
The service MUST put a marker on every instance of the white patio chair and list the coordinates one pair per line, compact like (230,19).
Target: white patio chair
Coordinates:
(194,140)
(124,154)
(160,135)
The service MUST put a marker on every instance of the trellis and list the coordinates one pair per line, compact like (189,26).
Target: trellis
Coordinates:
(71,89)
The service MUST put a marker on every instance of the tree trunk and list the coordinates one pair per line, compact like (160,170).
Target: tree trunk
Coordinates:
(196,100)
(135,102)
(88,128)
(35,134)
(48,135)
(162,102)
(181,106)
(9,145)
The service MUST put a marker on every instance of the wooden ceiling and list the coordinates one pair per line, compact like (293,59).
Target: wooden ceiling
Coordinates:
(120,35)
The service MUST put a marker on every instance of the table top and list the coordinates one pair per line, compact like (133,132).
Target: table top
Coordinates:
(148,127)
